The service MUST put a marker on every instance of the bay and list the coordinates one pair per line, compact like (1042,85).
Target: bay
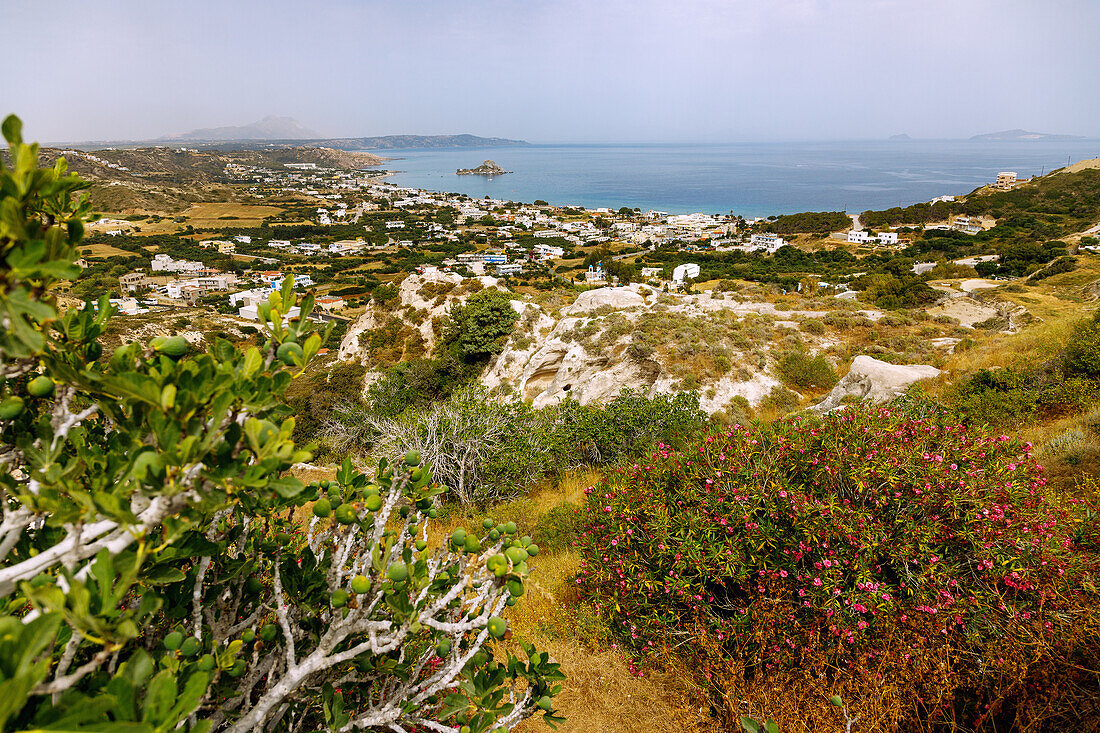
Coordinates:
(751,179)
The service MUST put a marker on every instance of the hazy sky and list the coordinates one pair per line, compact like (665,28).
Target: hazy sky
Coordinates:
(554,70)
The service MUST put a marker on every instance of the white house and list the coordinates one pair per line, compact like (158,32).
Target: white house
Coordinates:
(509,269)
(165,263)
(548,252)
(250,297)
(860,236)
(330,302)
(682,272)
(766,241)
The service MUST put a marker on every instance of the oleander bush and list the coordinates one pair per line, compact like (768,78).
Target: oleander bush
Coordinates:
(912,564)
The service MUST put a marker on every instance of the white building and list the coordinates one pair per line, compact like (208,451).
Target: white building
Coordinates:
(887,238)
(766,241)
(595,274)
(860,237)
(250,297)
(164,263)
(682,272)
(548,252)
(509,269)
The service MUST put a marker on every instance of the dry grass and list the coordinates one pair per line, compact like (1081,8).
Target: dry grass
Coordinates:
(245,215)
(104,250)
(600,694)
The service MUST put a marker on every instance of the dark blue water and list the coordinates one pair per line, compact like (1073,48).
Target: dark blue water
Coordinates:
(751,179)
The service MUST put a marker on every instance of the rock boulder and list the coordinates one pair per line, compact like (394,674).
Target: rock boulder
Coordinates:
(874,380)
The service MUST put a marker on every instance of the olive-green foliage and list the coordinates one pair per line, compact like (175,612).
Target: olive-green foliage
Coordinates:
(814,222)
(1082,354)
(895,291)
(148,533)
(1058,267)
(780,400)
(558,527)
(631,424)
(478,328)
(1009,397)
(319,390)
(799,369)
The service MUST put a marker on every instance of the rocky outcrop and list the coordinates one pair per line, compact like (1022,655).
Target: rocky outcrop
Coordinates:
(615,298)
(874,380)
(415,297)
(488,168)
(640,338)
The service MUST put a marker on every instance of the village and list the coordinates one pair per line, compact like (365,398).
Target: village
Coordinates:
(452,233)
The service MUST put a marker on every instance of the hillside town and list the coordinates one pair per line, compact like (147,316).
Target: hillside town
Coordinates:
(356,217)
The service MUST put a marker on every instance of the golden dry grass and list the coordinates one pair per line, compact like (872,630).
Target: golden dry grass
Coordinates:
(209,215)
(104,250)
(600,693)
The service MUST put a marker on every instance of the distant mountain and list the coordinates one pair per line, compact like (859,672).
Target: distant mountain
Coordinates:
(387,142)
(900,136)
(1024,135)
(269,128)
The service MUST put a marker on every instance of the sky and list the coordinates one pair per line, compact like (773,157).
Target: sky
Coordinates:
(554,70)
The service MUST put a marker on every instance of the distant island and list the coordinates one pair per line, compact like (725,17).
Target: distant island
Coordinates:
(269,128)
(422,141)
(1024,135)
(488,168)
(273,129)
(900,136)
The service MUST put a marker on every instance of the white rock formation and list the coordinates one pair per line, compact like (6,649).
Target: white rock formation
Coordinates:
(617,298)
(409,294)
(874,380)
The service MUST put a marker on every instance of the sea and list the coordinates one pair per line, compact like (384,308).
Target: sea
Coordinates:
(750,179)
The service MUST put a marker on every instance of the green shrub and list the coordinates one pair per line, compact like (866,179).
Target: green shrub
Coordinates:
(799,369)
(153,574)
(1082,354)
(629,425)
(479,327)
(995,397)
(812,325)
(558,528)
(781,400)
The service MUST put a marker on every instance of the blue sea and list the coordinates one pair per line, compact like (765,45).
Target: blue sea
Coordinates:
(750,179)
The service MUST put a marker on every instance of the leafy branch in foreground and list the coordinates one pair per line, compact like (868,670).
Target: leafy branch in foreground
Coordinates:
(158,569)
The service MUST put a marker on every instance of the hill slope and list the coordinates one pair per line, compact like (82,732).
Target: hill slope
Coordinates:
(269,128)
(1023,135)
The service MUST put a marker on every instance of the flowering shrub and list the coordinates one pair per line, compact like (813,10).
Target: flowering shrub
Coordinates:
(916,562)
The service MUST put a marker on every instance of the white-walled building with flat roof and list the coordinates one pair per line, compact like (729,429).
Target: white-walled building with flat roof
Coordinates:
(682,272)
